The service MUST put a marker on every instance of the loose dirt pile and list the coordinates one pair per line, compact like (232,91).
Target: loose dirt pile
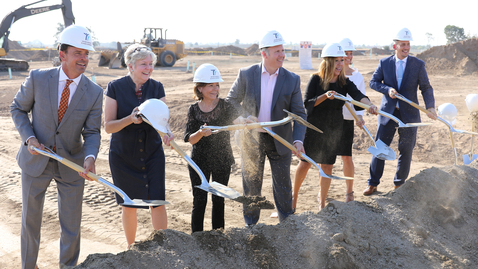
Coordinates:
(459,58)
(19,52)
(430,222)
(253,50)
(224,50)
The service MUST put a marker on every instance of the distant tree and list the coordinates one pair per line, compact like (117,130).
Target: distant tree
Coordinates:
(429,39)
(60,27)
(454,34)
(386,48)
(237,42)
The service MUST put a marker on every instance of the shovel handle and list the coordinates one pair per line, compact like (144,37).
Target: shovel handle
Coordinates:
(67,162)
(352,111)
(415,105)
(282,140)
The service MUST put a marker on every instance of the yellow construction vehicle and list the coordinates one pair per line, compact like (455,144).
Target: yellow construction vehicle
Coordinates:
(22,12)
(168,51)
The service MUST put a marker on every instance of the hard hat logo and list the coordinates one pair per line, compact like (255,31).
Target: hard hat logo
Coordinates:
(77,36)
(333,50)
(271,39)
(207,73)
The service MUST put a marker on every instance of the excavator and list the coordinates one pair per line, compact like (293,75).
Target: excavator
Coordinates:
(23,12)
(168,51)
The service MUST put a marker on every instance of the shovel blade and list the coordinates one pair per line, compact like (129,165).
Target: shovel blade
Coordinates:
(467,160)
(140,202)
(220,190)
(382,151)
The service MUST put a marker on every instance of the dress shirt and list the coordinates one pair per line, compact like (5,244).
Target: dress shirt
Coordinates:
(268,83)
(397,64)
(62,82)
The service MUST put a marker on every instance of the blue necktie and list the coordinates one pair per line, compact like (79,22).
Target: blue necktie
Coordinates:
(400,73)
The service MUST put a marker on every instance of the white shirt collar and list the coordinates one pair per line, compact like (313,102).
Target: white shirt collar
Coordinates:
(64,77)
(404,60)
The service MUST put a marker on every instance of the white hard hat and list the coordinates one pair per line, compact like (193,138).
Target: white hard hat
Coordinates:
(472,102)
(77,36)
(207,73)
(157,113)
(448,112)
(271,39)
(333,50)
(403,35)
(347,44)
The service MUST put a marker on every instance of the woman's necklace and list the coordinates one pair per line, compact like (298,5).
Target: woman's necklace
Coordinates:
(208,108)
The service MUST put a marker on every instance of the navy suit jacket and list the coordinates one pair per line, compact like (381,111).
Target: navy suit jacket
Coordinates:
(414,77)
(287,95)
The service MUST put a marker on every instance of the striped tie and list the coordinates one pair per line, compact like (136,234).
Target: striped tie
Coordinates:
(65,95)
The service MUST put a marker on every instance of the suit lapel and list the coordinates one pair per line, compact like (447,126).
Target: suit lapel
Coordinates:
(277,88)
(75,100)
(257,86)
(406,71)
(394,70)
(53,88)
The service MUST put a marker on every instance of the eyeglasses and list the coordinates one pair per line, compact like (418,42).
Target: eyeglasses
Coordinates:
(141,49)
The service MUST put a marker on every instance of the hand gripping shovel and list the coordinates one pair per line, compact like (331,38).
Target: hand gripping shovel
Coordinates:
(74,166)
(302,155)
(379,149)
(290,117)
(450,127)
(385,114)
(156,113)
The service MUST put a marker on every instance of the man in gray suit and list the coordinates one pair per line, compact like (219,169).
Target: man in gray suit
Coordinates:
(65,109)
(265,90)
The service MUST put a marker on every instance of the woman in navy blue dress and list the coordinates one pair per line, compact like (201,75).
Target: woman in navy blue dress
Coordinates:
(136,156)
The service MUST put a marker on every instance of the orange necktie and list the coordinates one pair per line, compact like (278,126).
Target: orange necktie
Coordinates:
(65,95)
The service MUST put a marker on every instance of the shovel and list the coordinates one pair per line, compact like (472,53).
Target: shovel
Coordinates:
(74,166)
(290,117)
(401,97)
(385,114)
(302,155)
(450,127)
(214,187)
(468,158)
(379,149)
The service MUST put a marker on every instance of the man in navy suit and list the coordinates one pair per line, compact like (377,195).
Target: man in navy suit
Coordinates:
(401,74)
(261,92)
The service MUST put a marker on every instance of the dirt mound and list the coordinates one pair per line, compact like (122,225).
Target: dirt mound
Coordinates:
(430,222)
(253,50)
(377,51)
(224,50)
(459,58)
(13,45)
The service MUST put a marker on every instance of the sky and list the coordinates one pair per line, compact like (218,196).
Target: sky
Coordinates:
(365,22)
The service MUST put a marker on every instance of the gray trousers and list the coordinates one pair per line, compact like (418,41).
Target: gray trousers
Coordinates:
(70,198)
(253,158)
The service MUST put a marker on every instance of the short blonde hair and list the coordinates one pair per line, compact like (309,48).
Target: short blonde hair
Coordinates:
(137,52)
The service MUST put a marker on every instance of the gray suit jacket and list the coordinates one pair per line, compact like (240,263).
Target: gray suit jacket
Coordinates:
(77,136)
(287,95)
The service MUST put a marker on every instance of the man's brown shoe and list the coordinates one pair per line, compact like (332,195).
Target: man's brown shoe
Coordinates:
(396,187)
(369,190)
